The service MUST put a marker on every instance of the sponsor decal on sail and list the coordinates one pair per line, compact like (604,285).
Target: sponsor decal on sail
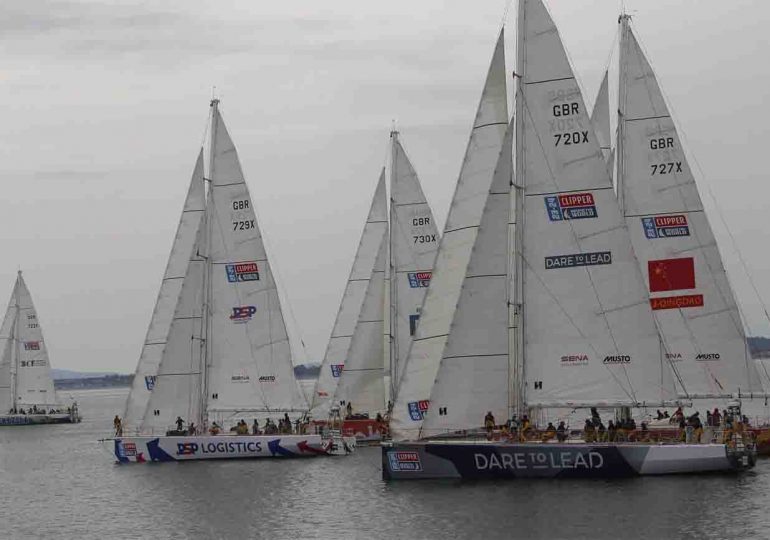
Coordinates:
(337,369)
(574,360)
(671,274)
(267,378)
(242,271)
(665,226)
(677,302)
(149,382)
(242,314)
(706,357)
(417,409)
(32,363)
(413,323)
(240,378)
(31,345)
(404,461)
(578,259)
(570,206)
(419,280)
(674,357)
(617,359)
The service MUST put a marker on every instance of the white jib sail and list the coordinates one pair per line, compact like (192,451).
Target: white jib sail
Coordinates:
(413,246)
(249,359)
(474,372)
(600,118)
(689,289)
(362,384)
(177,385)
(168,297)
(451,266)
(338,348)
(589,334)
(25,371)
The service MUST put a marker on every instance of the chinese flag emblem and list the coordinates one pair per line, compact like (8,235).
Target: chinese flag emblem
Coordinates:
(671,274)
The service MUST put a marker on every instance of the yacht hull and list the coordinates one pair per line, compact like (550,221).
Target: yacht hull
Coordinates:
(36,419)
(199,447)
(502,460)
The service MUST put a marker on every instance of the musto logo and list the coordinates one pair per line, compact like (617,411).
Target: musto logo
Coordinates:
(570,206)
(404,461)
(574,360)
(419,280)
(242,314)
(618,359)
(244,271)
(707,357)
(417,409)
(665,226)
(523,461)
(267,378)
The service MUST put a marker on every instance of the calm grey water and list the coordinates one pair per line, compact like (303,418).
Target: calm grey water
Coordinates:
(57,482)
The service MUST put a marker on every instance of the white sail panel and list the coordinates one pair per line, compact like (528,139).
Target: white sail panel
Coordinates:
(690,293)
(34,385)
(473,376)
(413,245)
(338,348)
(589,333)
(362,384)
(600,118)
(168,297)
(249,357)
(177,387)
(8,350)
(451,266)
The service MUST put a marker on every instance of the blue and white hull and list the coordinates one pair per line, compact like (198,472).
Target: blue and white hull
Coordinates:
(197,447)
(484,460)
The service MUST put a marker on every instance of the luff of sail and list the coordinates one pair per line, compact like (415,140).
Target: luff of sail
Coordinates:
(473,377)
(413,245)
(589,334)
(248,356)
(351,305)
(454,252)
(689,289)
(168,298)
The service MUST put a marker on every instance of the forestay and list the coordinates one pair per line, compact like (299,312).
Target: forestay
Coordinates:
(413,245)
(454,253)
(589,333)
(249,358)
(349,314)
(689,290)
(168,298)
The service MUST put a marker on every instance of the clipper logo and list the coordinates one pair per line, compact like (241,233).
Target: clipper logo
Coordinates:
(337,370)
(245,271)
(665,226)
(620,359)
(149,382)
(128,449)
(417,409)
(267,378)
(404,461)
(186,449)
(242,314)
(571,206)
(419,280)
(707,356)
(578,259)
(574,360)
(31,345)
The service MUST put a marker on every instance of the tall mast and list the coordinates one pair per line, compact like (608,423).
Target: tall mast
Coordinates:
(15,347)
(393,285)
(621,131)
(516,306)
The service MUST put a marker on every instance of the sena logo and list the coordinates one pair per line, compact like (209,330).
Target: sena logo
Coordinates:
(708,356)
(574,360)
(620,359)
(242,313)
(267,378)
(239,378)
(673,356)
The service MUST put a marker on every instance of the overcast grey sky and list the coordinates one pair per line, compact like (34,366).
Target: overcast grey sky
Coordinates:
(105,104)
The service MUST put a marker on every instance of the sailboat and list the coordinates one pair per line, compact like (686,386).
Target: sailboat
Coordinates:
(26,387)
(566,319)
(381,303)
(217,351)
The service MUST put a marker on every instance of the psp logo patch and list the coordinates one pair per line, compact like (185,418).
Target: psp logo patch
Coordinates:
(404,461)
(337,370)
(417,409)
(244,271)
(242,314)
(570,206)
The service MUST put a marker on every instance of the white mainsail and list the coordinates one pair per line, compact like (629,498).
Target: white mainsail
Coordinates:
(473,377)
(589,334)
(168,297)
(339,346)
(248,355)
(362,383)
(454,253)
(25,371)
(689,289)
(413,246)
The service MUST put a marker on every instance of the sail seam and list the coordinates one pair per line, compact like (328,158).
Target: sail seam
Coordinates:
(230,184)
(460,229)
(491,124)
(550,80)
(566,191)
(178,374)
(485,275)
(647,118)
(666,213)
(430,337)
(455,356)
